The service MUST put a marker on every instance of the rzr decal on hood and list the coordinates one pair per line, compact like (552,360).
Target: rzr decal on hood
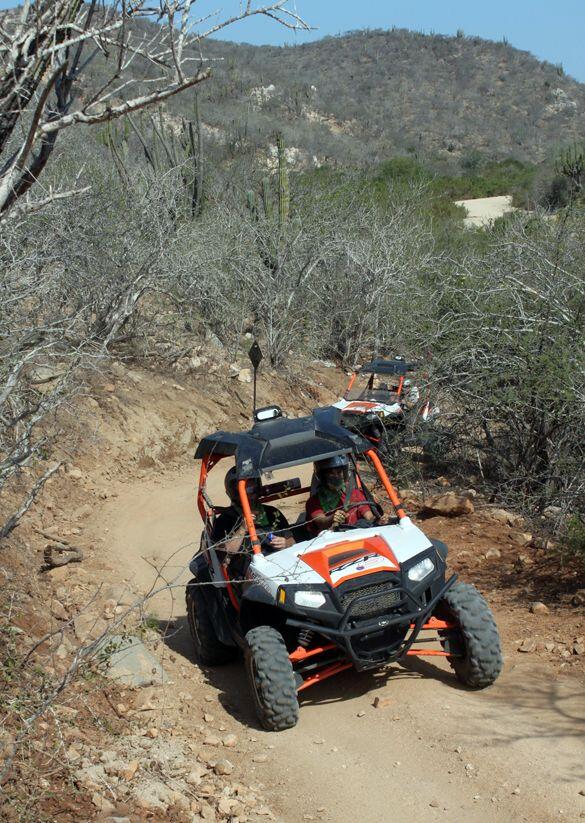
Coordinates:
(351,558)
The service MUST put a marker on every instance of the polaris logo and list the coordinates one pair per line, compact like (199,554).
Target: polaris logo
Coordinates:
(383,623)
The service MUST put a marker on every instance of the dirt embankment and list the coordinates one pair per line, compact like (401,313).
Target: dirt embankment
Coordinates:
(191,748)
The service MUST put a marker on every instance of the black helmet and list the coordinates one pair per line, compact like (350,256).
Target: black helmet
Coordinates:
(340,461)
(231,484)
(322,467)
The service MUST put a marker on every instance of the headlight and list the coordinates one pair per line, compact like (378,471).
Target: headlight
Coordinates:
(311,600)
(421,570)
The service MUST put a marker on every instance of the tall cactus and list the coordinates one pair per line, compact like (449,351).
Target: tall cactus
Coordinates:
(164,151)
(283,192)
(262,210)
(283,187)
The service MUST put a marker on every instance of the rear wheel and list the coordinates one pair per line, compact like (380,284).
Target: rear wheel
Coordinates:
(272,679)
(475,640)
(209,649)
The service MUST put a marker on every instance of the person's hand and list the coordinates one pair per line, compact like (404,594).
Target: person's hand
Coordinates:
(339,517)
(278,542)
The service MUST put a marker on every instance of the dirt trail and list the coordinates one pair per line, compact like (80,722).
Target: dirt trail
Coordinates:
(432,751)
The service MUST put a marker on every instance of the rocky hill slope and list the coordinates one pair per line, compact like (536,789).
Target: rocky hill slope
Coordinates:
(372,94)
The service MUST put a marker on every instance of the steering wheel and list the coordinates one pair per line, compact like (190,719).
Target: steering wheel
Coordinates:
(344,527)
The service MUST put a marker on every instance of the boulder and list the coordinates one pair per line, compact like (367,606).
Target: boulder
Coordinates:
(491,554)
(128,661)
(245,376)
(449,504)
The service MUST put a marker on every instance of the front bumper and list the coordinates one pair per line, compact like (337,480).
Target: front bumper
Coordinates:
(383,639)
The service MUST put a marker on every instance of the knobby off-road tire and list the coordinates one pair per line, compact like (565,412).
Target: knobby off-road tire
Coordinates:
(209,650)
(272,679)
(478,640)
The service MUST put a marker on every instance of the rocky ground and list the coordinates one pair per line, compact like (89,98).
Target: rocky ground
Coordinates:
(128,726)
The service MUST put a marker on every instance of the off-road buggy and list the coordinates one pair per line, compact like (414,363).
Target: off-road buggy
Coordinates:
(357,596)
(382,404)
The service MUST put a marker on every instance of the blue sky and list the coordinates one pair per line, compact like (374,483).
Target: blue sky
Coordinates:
(553,31)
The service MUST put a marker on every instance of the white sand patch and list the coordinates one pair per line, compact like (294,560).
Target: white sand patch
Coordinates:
(484,210)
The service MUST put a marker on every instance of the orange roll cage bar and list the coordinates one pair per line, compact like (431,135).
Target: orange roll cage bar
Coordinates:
(206,509)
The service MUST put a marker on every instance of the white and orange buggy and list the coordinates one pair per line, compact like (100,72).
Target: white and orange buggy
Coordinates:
(356,596)
(382,403)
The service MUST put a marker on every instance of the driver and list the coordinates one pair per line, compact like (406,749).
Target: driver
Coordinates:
(230,527)
(325,508)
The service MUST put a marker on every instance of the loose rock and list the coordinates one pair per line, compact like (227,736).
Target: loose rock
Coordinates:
(102,803)
(58,610)
(539,608)
(449,504)
(528,645)
(223,767)
(521,539)
(504,516)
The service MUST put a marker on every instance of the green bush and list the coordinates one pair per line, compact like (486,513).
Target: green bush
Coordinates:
(575,536)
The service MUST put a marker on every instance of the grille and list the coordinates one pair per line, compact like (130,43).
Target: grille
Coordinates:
(380,599)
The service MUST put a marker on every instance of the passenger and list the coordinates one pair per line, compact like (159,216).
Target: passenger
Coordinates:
(325,508)
(230,527)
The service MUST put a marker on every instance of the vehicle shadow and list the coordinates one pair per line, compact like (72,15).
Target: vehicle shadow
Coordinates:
(234,692)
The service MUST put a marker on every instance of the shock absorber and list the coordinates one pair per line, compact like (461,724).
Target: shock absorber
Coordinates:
(305,637)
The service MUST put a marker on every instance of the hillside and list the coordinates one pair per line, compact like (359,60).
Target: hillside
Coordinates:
(368,95)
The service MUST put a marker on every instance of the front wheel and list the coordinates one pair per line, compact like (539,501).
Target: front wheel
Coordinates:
(272,679)
(209,649)
(474,642)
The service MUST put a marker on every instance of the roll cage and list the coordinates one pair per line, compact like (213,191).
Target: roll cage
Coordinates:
(280,444)
(397,369)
